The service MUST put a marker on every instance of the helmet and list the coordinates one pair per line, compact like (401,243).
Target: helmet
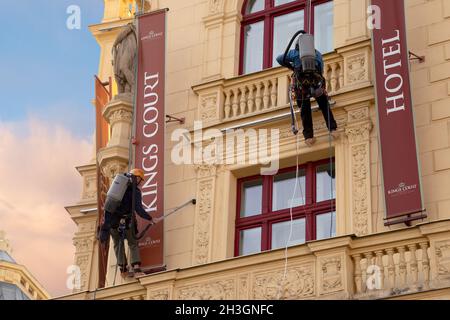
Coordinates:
(138,173)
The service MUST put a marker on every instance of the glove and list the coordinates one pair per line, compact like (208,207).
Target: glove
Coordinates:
(104,235)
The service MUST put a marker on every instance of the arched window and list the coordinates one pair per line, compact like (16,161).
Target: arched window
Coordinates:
(268,25)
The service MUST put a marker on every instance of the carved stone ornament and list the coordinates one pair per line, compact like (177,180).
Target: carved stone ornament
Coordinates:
(216,290)
(299,283)
(443,258)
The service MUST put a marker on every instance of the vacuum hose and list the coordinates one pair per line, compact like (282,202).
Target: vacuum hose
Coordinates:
(289,46)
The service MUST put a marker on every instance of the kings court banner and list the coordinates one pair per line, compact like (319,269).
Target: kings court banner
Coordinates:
(149,134)
(401,177)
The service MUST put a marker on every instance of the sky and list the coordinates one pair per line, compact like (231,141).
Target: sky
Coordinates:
(46,129)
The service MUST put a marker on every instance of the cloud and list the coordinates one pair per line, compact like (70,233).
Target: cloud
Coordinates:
(38,179)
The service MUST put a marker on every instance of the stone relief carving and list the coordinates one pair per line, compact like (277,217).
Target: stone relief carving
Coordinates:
(299,283)
(356,68)
(120,115)
(243,287)
(82,261)
(215,6)
(208,107)
(331,274)
(360,200)
(443,258)
(112,168)
(357,115)
(204,204)
(217,290)
(205,171)
(359,133)
(90,187)
(83,245)
(162,294)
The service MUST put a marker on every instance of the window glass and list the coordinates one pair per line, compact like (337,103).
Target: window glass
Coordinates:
(254,6)
(284,28)
(326,225)
(283,190)
(253,47)
(281,230)
(323,27)
(280,2)
(250,241)
(251,202)
(325,182)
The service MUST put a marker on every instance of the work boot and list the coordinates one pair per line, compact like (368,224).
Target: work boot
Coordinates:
(123,271)
(310,141)
(138,272)
(335,134)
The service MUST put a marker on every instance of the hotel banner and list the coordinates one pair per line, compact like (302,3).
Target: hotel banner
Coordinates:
(102,97)
(401,178)
(150,129)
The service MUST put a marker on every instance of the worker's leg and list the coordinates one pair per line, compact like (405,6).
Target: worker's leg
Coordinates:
(308,131)
(119,249)
(135,258)
(324,106)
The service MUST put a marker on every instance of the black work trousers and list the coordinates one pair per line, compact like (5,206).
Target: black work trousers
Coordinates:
(322,101)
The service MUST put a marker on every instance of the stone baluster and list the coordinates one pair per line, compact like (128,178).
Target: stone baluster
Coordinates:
(379,263)
(243,101)
(235,105)
(402,265)
(368,256)
(258,97)
(273,93)
(358,273)
(391,267)
(333,79)
(228,104)
(413,265)
(266,95)
(341,74)
(425,262)
(251,99)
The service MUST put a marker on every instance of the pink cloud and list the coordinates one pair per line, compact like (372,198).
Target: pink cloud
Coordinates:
(38,178)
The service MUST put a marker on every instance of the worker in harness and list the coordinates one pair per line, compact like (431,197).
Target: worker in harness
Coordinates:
(308,84)
(121,224)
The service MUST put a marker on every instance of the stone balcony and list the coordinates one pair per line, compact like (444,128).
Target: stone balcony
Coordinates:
(403,263)
(226,100)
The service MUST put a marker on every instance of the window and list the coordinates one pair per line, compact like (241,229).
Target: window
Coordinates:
(263,219)
(268,25)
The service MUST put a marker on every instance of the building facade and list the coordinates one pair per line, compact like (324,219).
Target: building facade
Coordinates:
(221,70)
(16,282)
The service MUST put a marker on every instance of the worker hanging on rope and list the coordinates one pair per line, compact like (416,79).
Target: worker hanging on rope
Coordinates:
(120,221)
(307,82)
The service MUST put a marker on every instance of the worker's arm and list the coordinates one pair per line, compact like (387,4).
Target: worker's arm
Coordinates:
(291,59)
(139,208)
(319,61)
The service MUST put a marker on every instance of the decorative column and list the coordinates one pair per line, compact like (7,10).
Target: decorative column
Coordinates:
(358,130)
(206,184)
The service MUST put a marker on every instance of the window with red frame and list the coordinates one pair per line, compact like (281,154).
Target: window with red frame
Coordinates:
(268,25)
(263,219)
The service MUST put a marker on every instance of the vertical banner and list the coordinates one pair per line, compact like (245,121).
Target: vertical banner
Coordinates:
(401,178)
(150,131)
(102,97)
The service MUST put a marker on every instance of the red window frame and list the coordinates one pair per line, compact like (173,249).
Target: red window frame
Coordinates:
(309,210)
(267,15)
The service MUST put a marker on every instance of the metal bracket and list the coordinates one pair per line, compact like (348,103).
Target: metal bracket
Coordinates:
(175,119)
(413,56)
